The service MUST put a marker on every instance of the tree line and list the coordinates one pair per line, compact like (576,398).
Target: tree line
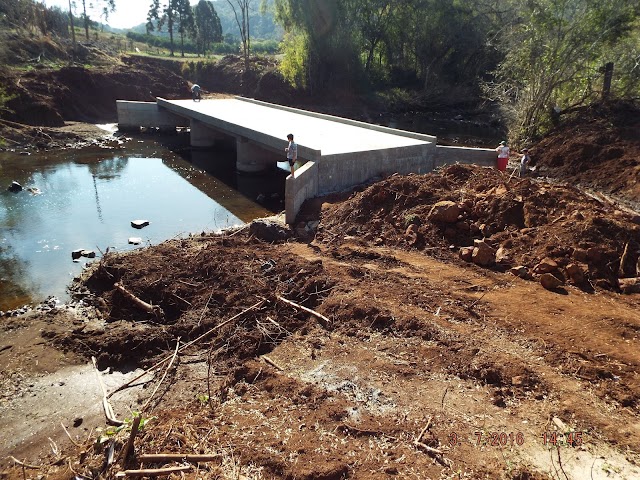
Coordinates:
(537,58)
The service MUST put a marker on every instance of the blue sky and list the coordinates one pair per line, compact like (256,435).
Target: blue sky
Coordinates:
(129,13)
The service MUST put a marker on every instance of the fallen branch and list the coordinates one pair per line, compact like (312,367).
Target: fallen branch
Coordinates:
(272,363)
(147,307)
(108,409)
(128,449)
(69,435)
(22,464)
(434,453)
(175,354)
(177,457)
(324,321)
(428,449)
(424,430)
(184,347)
(153,472)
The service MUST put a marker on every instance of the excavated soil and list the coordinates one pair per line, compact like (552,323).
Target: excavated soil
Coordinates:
(596,146)
(421,366)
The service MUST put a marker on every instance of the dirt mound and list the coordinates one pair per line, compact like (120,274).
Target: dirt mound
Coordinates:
(49,97)
(195,287)
(521,221)
(597,146)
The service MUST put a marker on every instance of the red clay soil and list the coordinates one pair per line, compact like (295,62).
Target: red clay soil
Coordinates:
(48,97)
(428,366)
(597,146)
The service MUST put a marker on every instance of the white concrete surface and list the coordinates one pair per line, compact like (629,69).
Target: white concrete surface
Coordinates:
(331,137)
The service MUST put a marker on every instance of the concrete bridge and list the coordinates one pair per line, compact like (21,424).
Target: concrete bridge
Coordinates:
(338,153)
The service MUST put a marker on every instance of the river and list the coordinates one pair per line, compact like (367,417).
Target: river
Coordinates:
(86,199)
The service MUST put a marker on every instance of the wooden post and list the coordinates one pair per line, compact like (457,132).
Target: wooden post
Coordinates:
(608,75)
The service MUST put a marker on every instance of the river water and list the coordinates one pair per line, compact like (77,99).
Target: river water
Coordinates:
(88,198)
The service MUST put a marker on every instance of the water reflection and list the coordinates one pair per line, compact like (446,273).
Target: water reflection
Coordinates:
(88,200)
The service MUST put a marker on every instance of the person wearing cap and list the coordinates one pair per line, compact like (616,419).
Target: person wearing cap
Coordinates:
(292,153)
(524,161)
(503,156)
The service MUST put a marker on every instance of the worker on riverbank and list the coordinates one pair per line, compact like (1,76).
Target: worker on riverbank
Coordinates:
(524,162)
(503,156)
(195,92)
(292,153)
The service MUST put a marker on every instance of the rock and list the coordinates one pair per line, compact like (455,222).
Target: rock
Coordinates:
(411,234)
(547,265)
(575,273)
(450,233)
(474,229)
(594,254)
(520,271)
(463,226)
(466,253)
(139,223)
(502,256)
(629,285)
(15,187)
(485,230)
(577,215)
(580,254)
(603,283)
(483,254)
(88,253)
(550,282)
(135,240)
(445,211)
(75,254)
(269,230)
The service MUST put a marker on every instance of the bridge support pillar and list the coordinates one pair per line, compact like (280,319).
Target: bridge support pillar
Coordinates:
(251,158)
(203,136)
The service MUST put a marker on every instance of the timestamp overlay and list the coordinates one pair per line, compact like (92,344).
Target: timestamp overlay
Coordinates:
(497,438)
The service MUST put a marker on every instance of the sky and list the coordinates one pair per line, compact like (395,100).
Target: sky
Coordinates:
(128,13)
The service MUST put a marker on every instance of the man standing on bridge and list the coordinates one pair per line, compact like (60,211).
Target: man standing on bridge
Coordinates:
(292,153)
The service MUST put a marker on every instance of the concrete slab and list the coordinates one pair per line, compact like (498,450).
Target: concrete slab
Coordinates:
(329,135)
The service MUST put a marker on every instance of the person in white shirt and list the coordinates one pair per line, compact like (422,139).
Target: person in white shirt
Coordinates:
(503,156)
(292,152)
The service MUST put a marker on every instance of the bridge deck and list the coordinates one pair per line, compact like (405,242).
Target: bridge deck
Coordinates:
(331,137)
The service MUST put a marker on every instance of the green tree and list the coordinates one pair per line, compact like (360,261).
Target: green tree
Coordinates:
(164,14)
(186,24)
(325,29)
(552,54)
(109,6)
(241,13)
(208,29)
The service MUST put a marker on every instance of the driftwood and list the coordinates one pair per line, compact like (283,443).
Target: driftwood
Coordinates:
(184,347)
(141,304)
(177,457)
(153,472)
(324,321)
(108,409)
